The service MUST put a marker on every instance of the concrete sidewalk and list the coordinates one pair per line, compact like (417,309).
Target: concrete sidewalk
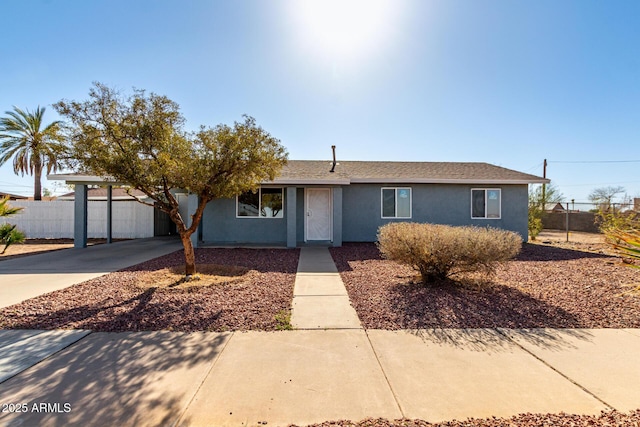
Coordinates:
(320,300)
(310,376)
(27,277)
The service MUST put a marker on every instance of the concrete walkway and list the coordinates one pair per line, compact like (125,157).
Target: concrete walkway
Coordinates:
(320,300)
(27,277)
(311,376)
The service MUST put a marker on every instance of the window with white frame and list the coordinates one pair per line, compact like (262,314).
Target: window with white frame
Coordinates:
(486,203)
(396,202)
(264,203)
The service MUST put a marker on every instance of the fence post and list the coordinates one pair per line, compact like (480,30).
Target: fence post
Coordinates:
(109,214)
(567,221)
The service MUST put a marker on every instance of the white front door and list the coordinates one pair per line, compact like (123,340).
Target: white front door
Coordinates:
(318,218)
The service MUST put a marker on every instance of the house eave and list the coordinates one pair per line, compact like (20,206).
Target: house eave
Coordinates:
(448,181)
(285,181)
(83,179)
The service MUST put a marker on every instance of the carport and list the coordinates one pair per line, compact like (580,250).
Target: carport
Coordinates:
(81,182)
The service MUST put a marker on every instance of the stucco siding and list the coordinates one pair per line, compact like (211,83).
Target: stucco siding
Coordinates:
(220,225)
(435,203)
(361,214)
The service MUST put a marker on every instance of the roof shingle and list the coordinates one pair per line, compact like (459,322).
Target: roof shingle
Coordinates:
(318,171)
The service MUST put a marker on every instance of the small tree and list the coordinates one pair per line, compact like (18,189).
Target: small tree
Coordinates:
(438,251)
(139,140)
(603,197)
(8,232)
(538,201)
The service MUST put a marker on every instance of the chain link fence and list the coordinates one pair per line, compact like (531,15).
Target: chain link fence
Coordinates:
(581,216)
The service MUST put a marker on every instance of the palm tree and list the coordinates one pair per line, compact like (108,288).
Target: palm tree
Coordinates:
(32,148)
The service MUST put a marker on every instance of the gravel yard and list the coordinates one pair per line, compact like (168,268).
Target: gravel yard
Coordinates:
(605,419)
(544,287)
(113,303)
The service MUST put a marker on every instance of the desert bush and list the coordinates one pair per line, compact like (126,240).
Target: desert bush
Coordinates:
(8,233)
(439,251)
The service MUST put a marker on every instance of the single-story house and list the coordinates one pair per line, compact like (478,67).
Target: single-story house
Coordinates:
(325,202)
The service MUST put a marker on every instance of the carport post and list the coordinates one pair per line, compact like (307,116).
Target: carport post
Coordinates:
(109,217)
(80,217)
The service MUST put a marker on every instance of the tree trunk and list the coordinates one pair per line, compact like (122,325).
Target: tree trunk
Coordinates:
(186,233)
(37,185)
(189,254)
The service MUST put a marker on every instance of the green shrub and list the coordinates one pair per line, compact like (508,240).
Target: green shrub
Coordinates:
(439,251)
(535,221)
(9,235)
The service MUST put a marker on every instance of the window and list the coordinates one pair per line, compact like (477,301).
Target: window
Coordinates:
(265,203)
(486,203)
(396,203)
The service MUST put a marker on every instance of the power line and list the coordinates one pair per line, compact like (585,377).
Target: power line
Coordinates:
(534,167)
(594,161)
(600,183)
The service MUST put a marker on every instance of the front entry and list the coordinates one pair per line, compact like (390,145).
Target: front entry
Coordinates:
(318,214)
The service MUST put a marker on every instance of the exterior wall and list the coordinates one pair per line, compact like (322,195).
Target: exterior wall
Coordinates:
(435,203)
(54,219)
(359,215)
(220,225)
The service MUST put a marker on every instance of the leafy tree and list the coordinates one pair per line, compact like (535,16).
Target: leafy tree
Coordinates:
(139,140)
(33,145)
(538,201)
(8,232)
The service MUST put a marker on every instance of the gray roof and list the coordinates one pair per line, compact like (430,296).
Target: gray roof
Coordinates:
(308,172)
(349,172)
(12,196)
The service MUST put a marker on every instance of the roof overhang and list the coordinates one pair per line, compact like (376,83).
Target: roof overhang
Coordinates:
(288,181)
(73,178)
(448,181)
(97,180)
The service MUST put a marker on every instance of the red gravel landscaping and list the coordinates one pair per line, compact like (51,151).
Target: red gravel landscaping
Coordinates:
(543,287)
(605,419)
(113,303)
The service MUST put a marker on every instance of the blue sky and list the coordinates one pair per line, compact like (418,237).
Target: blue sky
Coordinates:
(504,82)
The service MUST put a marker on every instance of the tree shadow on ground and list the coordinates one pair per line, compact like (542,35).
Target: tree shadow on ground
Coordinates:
(464,311)
(124,379)
(536,252)
(472,316)
(262,260)
(502,340)
(113,303)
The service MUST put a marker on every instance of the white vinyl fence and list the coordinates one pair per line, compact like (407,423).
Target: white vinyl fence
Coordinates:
(54,219)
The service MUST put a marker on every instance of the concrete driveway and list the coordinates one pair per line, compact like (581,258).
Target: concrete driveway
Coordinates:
(27,277)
